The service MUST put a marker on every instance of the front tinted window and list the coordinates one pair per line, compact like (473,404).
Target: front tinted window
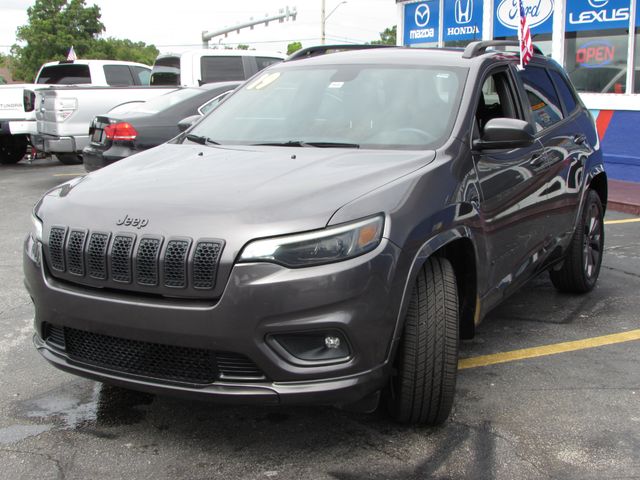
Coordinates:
(221,69)
(544,102)
(166,71)
(372,106)
(65,74)
(564,90)
(118,75)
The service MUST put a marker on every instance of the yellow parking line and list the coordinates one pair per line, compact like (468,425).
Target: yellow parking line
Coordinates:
(626,220)
(553,349)
(68,174)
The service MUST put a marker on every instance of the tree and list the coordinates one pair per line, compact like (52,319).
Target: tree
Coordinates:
(242,46)
(118,49)
(388,37)
(53,27)
(293,47)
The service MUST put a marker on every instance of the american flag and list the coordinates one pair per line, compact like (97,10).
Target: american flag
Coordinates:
(524,35)
(72,54)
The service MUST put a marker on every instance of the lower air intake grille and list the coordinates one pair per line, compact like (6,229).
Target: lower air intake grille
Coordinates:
(180,364)
(54,335)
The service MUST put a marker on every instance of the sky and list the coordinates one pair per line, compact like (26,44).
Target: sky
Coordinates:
(178,26)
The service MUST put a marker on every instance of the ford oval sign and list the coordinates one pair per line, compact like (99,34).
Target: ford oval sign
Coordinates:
(537,12)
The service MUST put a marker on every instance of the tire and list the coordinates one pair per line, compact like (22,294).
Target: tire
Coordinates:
(12,148)
(69,158)
(581,266)
(423,386)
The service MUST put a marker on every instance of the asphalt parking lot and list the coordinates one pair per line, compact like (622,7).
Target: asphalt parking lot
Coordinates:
(556,408)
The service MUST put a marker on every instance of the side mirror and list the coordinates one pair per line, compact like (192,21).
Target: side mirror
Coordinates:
(185,123)
(505,133)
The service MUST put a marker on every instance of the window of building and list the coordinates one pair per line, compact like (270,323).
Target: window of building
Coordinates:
(596,60)
(545,105)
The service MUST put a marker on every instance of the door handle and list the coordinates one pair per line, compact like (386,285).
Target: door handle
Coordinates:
(537,160)
(580,139)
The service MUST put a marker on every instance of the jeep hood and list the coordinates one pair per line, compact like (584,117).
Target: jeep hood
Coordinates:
(240,192)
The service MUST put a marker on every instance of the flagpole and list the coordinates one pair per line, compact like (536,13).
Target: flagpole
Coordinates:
(521,66)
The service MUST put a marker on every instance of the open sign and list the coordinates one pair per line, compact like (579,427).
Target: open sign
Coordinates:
(595,54)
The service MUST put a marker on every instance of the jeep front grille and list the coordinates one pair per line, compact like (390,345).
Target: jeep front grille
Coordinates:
(124,261)
(155,360)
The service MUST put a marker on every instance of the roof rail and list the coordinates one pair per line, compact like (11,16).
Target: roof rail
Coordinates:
(324,49)
(475,49)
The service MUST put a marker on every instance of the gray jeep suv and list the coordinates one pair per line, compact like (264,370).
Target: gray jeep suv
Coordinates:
(327,234)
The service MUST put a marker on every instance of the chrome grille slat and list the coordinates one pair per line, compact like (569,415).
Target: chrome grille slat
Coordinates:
(175,263)
(121,258)
(205,263)
(57,237)
(97,255)
(75,252)
(147,261)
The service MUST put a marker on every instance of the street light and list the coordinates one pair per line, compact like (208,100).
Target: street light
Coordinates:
(323,19)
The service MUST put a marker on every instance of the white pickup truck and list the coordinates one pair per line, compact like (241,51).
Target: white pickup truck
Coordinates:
(17,101)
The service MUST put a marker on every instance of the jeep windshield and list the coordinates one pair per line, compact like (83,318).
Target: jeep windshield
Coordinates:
(340,106)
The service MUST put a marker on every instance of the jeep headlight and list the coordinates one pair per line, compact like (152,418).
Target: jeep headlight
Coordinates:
(316,248)
(34,239)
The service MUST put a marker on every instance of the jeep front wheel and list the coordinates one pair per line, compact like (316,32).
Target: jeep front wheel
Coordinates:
(423,385)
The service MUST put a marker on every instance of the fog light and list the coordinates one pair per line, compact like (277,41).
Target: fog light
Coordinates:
(311,348)
(332,342)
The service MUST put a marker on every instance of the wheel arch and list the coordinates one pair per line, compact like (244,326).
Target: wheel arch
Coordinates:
(457,246)
(599,184)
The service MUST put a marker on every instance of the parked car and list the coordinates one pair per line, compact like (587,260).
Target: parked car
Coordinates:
(64,115)
(197,67)
(17,101)
(327,234)
(119,135)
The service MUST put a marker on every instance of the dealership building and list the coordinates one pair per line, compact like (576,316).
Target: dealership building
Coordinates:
(595,41)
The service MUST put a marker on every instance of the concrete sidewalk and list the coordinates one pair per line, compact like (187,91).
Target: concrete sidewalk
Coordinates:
(624,197)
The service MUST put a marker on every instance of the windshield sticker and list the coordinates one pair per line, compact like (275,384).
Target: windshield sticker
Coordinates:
(336,84)
(264,81)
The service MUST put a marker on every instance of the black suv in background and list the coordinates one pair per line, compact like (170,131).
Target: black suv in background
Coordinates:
(327,234)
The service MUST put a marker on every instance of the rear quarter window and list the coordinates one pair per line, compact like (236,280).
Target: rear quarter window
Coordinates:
(221,69)
(65,74)
(545,105)
(118,75)
(564,90)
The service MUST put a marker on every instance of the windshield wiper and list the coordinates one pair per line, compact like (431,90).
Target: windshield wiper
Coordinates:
(299,143)
(202,140)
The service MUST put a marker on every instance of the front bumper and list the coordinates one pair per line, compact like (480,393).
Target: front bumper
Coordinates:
(358,298)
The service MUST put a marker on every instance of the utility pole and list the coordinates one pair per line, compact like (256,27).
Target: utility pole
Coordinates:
(323,21)
(285,14)
(324,18)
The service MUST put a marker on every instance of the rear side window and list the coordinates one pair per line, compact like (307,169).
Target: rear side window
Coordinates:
(545,105)
(166,71)
(143,75)
(65,74)
(221,69)
(264,62)
(564,90)
(118,75)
